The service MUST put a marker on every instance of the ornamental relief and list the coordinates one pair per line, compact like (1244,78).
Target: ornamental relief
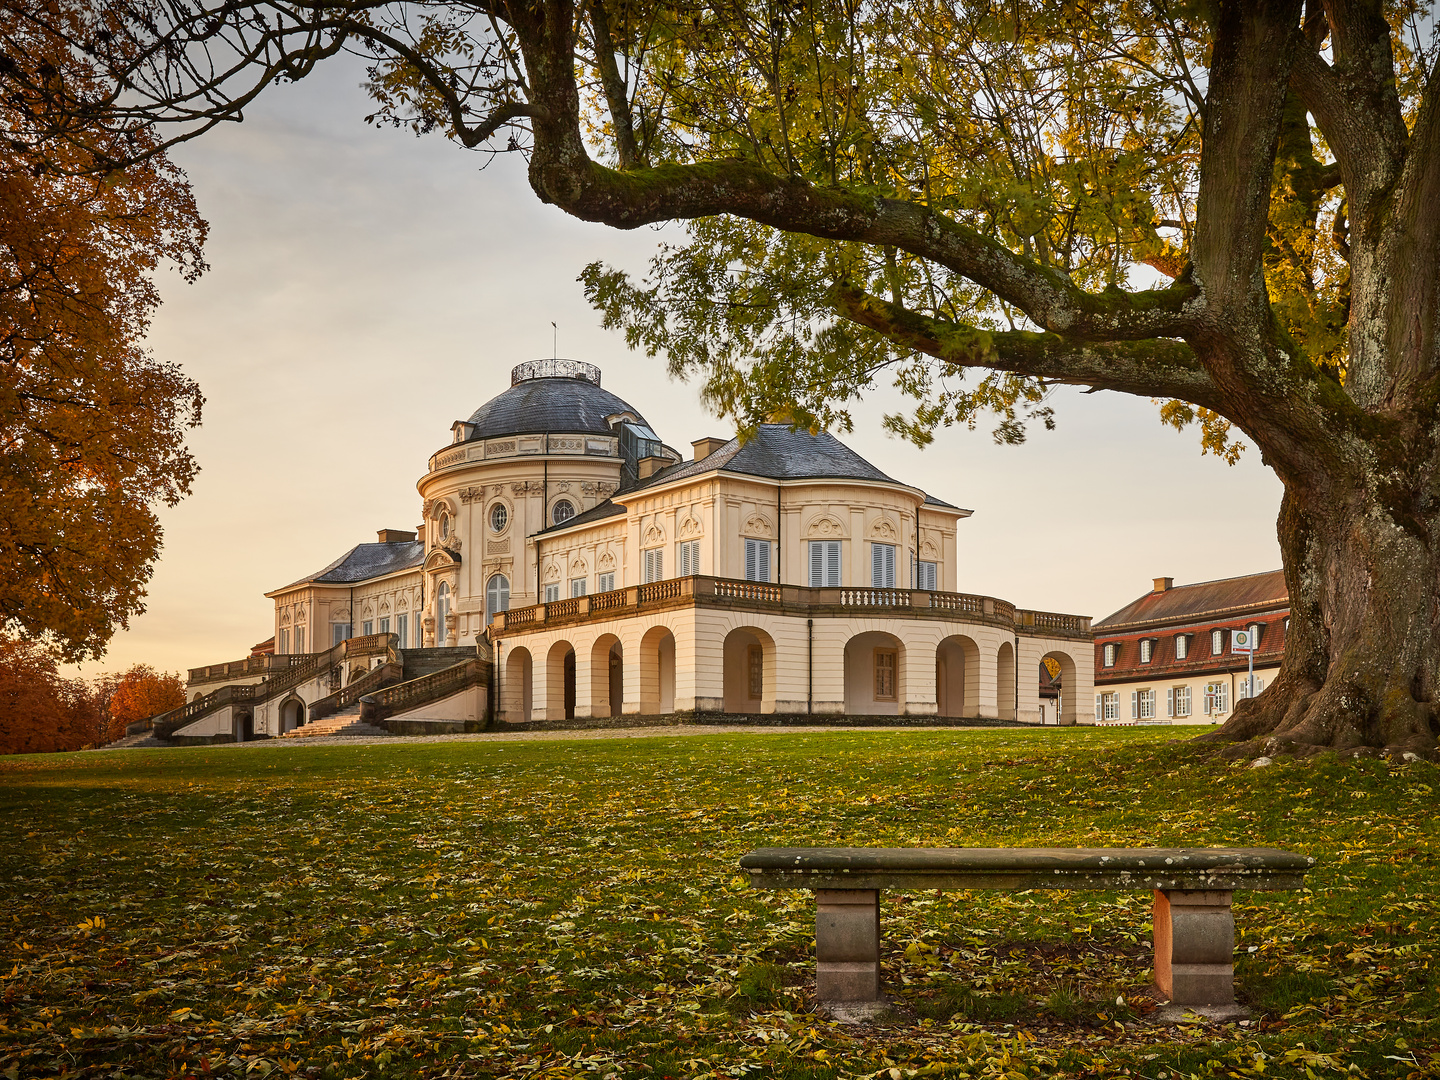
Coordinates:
(578,568)
(603,491)
(929,552)
(757,525)
(497,547)
(567,444)
(534,487)
(607,562)
(495,448)
(654,535)
(883,530)
(471,494)
(300,615)
(825,526)
(690,527)
(552,573)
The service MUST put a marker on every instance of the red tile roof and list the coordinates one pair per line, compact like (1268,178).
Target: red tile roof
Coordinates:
(1207,600)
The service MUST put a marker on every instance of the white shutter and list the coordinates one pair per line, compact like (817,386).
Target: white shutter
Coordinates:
(1098,707)
(877,566)
(1134,704)
(817,564)
(832,563)
(1170,702)
(762,560)
(750,559)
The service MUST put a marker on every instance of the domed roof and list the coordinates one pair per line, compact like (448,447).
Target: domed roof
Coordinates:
(550,396)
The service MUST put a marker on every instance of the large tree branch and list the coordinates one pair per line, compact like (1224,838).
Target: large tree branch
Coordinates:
(617,96)
(1159,368)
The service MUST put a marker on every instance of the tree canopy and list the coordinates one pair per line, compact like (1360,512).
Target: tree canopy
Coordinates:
(91,425)
(1232,208)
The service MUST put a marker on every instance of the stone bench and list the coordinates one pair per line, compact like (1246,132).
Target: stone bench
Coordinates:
(1194,927)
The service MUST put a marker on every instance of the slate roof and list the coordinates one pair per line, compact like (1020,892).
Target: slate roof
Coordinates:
(775,453)
(555,404)
(1208,599)
(366,561)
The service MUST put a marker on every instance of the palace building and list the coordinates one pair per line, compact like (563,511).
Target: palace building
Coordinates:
(599,572)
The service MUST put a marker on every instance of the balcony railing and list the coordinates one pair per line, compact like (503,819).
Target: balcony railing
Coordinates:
(722,592)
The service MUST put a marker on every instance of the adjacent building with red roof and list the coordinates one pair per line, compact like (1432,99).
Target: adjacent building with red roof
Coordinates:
(1172,655)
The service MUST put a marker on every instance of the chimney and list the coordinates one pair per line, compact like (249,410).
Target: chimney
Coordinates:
(705,447)
(649,466)
(395,536)
(1164,584)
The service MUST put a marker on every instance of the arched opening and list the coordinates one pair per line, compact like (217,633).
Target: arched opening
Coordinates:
(749,671)
(243,726)
(198,695)
(607,676)
(957,677)
(292,715)
(497,593)
(1057,688)
(657,671)
(1005,680)
(516,691)
(442,610)
(874,675)
(560,682)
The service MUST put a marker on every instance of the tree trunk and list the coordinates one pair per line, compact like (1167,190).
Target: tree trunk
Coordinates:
(1361,662)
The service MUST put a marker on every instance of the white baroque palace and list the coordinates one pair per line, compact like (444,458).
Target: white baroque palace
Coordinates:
(605,574)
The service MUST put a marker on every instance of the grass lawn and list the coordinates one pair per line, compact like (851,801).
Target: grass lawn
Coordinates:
(573,908)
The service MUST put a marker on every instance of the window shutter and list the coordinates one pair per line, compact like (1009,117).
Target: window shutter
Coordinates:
(877,566)
(817,564)
(832,563)
(1134,704)
(763,561)
(1097,708)
(1170,702)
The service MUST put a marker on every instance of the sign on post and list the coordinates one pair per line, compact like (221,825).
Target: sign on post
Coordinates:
(1242,641)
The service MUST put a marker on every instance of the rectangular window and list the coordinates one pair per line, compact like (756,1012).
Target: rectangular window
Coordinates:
(824,564)
(654,564)
(1177,701)
(1142,705)
(402,625)
(757,560)
(1217,642)
(367,627)
(385,625)
(756,658)
(605,582)
(1108,654)
(1242,686)
(1107,707)
(1147,649)
(552,594)
(300,639)
(928,576)
(885,673)
(689,558)
(578,586)
(339,632)
(1182,646)
(882,566)
(282,642)
(1217,698)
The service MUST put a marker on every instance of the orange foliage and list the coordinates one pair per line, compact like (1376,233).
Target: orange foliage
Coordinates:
(40,711)
(140,693)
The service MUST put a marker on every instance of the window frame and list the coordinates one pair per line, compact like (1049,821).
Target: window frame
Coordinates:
(758,559)
(881,670)
(928,575)
(1182,646)
(555,509)
(652,565)
(499,508)
(552,593)
(689,558)
(1109,654)
(882,565)
(605,582)
(822,567)
(579,586)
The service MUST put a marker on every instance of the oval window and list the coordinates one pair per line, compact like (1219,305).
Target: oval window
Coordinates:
(499,517)
(444,527)
(563,510)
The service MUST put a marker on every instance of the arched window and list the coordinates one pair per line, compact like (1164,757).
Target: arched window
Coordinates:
(442,609)
(444,528)
(497,596)
(499,517)
(563,510)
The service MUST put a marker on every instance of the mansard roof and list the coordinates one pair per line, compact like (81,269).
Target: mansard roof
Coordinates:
(365,561)
(774,452)
(1205,600)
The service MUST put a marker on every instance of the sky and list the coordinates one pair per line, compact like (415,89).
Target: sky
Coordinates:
(368,288)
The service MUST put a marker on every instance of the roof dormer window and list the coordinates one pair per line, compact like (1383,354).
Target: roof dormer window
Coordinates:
(1147,650)
(1109,653)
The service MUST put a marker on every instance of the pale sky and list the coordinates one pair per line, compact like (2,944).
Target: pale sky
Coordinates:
(367,288)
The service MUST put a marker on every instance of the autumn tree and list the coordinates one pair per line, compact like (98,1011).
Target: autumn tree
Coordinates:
(92,426)
(138,694)
(40,711)
(964,193)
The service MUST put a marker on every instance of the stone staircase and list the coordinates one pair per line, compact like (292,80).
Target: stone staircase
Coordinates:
(345,722)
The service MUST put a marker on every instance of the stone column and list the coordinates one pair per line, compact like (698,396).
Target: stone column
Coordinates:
(847,945)
(1195,946)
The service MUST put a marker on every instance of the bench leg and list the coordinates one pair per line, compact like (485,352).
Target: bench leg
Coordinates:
(1195,946)
(847,945)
